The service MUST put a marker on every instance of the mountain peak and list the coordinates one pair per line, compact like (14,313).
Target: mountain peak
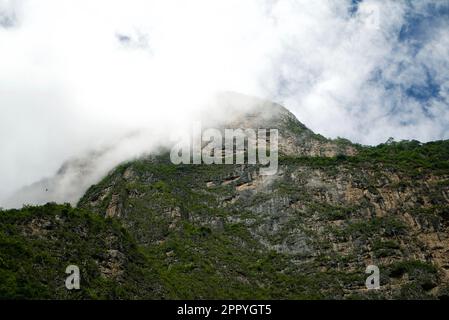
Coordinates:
(229,110)
(295,139)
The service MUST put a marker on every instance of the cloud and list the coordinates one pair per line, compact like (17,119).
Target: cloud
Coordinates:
(378,70)
(79,75)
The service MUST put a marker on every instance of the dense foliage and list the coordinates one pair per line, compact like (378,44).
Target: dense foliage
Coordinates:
(38,243)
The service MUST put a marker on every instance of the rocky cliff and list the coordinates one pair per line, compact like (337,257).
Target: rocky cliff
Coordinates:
(309,231)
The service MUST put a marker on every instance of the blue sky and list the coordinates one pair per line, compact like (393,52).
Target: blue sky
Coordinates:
(401,87)
(420,27)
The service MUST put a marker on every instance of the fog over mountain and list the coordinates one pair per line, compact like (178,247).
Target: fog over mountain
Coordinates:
(118,78)
(78,173)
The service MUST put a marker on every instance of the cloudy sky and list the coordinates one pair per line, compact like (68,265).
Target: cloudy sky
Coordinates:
(75,75)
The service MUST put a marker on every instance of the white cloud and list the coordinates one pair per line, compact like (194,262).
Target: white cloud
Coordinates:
(76,75)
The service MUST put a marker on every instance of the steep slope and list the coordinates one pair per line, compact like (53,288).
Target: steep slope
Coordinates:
(227,110)
(241,111)
(159,230)
(38,243)
(307,232)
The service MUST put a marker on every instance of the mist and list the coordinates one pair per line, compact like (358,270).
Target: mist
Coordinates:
(122,78)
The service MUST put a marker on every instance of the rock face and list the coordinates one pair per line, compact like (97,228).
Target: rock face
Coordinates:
(295,139)
(310,231)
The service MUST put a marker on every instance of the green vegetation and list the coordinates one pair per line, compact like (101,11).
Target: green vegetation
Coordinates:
(408,156)
(38,243)
(188,232)
(423,277)
(387,226)
(386,248)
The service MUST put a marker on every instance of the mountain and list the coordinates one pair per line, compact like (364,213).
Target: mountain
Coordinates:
(226,231)
(77,174)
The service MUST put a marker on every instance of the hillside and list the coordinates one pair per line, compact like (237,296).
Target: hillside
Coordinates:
(38,243)
(224,231)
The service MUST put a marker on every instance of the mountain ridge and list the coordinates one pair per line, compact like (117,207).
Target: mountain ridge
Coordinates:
(307,232)
(228,110)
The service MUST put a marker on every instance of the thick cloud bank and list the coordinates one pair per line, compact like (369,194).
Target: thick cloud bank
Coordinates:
(80,75)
